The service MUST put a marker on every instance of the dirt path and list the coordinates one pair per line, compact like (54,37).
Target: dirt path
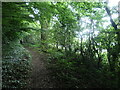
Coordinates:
(40,75)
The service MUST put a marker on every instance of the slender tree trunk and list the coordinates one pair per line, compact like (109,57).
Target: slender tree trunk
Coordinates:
(81,49)
(44,26)
(115,26)
(112,68)
(109,55)
(57,44)
(117,32)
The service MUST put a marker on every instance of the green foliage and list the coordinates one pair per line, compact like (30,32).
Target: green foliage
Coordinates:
(14,19)
(78,57)
(74,74)
(16,66)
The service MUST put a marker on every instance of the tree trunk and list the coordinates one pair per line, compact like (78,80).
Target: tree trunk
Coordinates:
(118,35)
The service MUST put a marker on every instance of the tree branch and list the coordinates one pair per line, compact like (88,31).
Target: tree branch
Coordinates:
(111,20)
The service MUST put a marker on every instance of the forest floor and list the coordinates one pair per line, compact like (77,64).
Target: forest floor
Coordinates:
(40,77)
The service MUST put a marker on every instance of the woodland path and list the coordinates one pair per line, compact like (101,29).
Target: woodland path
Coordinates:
(40,77)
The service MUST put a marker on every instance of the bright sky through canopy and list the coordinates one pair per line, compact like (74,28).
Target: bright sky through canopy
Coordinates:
(113,2)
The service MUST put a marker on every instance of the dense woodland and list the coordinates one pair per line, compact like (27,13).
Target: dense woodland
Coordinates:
(83,51)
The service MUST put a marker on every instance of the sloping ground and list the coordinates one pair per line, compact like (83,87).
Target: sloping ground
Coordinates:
(16,66)
(40,75)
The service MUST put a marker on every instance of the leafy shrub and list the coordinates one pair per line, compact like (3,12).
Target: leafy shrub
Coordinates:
(16,66)
(71,73)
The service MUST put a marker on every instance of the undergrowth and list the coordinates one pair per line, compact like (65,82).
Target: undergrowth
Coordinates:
(71,72)
(16,66)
